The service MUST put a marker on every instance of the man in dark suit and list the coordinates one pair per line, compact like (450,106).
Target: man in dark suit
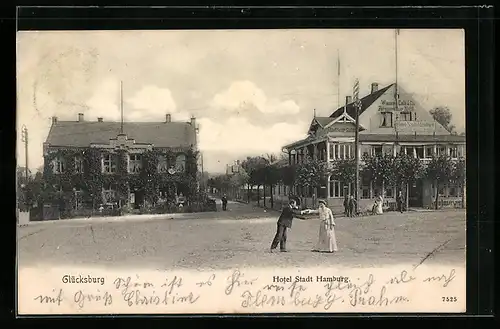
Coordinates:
(284,223)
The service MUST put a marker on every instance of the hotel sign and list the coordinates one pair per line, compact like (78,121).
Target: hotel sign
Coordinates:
(405,105)
(414,126)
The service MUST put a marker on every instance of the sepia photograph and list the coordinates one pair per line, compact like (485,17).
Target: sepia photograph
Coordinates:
(241,171)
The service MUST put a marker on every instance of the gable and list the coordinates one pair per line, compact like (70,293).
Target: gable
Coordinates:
(424,123)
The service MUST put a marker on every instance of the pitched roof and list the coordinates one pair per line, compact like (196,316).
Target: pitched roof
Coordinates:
(410,138)
(160,134)
(365,103)
(323,121)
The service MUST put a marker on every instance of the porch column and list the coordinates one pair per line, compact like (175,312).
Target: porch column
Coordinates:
(414,152)
(424,152)
(435,150)
(327,145)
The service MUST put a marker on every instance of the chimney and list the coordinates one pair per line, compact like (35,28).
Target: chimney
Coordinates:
(193,121)
(374,87)
(348,100)
(168,118)
(80,117)
(99,119)
(54,120)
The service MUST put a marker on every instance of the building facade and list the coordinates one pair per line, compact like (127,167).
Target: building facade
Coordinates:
(122,163)
(384,128)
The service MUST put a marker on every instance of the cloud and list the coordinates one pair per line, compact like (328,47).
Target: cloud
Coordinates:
(239,136)
(150,103)
(246,96)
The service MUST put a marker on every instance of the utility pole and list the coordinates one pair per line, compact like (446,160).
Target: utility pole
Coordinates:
(121,107)
(357,106)
(24,135)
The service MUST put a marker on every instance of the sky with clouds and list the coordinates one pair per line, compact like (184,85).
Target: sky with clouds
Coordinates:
(252,91)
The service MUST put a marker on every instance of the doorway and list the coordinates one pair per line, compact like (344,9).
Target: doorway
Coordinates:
(415,198)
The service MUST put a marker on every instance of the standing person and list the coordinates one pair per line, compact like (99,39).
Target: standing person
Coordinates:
(224,202)
(352,206)
(346,204)
(399,201)
(284,223)
(326,238)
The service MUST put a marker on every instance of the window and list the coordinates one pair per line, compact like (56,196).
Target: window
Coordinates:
(376,150)
(108,194)
(78,165)
(59,165)
(420,152)
(279,189)
(135,163)
(284,190)
(453,191)
(109,163)
(180,162)
(386,119)
(365,192)
(429,151)
(453,151)
(162,164)
(338,190)
(441,150)
(461,150)
(405,116)
(341,151)
(389,192)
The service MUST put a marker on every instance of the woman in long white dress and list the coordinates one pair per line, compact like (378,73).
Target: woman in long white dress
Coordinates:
(326,239)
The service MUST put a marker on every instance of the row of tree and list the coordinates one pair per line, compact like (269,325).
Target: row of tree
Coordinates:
(382,170)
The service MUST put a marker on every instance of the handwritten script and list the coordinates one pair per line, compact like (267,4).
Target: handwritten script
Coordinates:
(253,291)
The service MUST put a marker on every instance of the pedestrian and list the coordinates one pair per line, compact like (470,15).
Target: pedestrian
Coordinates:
(224,202)
(346,204)
(352,206)
(326,238)
(284,223)
(399,201)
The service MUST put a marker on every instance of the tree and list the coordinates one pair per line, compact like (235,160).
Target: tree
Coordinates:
(252,165)
(379,169)
(238,180)
(443,115)
(458,176)
(440,171)
(311,173)
(288,175)
(407,169)
(271,178)
(344,170)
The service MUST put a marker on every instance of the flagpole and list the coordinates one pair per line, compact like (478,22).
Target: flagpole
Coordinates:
(338,79)
(121,107)
(357,105)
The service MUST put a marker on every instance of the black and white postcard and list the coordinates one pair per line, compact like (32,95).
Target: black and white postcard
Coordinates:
(241,171)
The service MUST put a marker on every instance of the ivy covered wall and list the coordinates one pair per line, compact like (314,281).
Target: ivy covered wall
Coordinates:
(92,180)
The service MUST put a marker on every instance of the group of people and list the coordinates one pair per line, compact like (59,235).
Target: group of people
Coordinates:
(349,205)
(327,241)
(326,237)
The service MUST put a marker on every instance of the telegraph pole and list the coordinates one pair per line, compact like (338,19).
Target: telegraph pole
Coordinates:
(357,106)
(24,135)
